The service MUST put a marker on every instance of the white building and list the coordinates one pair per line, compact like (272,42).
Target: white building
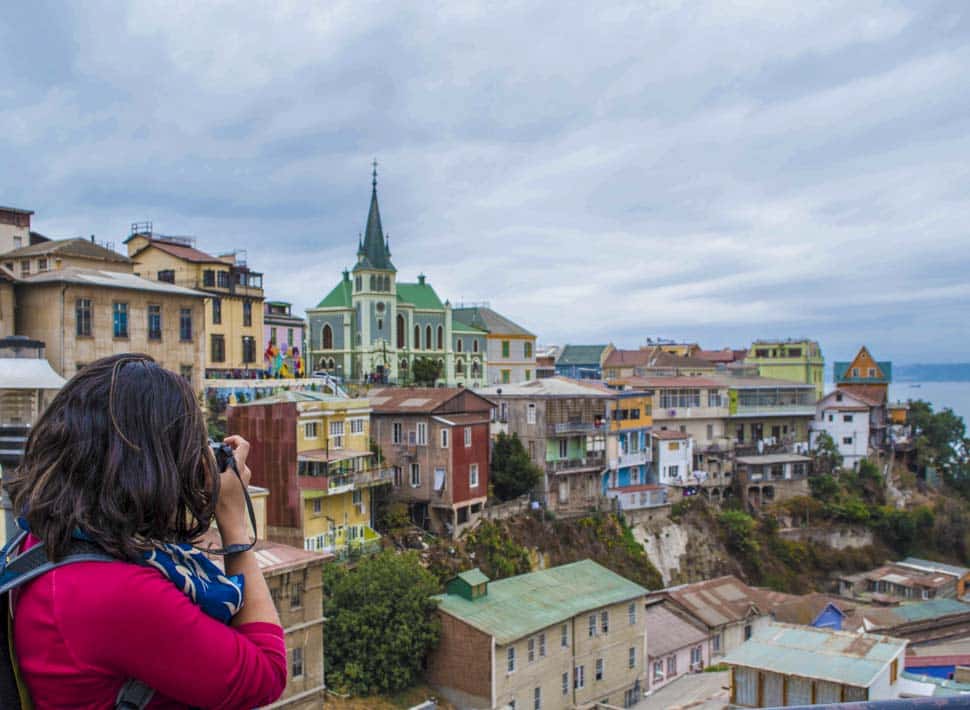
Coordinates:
(845,418)
(673,457)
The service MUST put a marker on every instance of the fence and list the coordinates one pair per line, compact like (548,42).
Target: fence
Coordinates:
(506,510)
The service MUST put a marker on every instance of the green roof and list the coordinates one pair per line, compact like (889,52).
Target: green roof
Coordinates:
(518,606)
(339,297)
(459,327)
(581,355)
(823,654)
(420,295)
(473,577)
(933,609)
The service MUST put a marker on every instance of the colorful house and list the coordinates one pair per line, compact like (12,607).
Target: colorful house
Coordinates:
(865,376)
(371,327)
(283,334)
(511,348)
(582,362)
(630,479)
(313,451)
(798,360)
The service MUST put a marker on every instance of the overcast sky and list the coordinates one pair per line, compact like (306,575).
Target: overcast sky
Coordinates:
(706,171)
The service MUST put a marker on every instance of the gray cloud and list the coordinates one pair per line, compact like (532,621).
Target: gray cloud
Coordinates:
(716,172)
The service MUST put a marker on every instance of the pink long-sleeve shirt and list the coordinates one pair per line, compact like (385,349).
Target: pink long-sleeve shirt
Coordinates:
(82,630)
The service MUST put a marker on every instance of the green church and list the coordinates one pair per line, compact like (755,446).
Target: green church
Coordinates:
(372,327)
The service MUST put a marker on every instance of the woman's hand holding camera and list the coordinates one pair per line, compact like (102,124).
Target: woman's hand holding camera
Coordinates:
(231,512)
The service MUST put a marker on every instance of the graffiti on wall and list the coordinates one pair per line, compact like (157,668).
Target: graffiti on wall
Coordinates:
(283,363)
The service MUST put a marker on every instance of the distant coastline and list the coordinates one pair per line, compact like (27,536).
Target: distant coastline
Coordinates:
(932,372)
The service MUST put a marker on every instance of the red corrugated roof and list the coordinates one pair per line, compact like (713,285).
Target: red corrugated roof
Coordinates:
(184,252)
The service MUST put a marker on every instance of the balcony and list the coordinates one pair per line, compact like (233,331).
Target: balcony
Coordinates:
(374,477)
(639,458)
(778,410)
(638,497)
(592,460)
(574,428)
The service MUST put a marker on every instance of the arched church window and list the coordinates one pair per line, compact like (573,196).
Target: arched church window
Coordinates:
(427,338)
(417,337)
(441,338)
(401,330)
(327,337)
(458,346)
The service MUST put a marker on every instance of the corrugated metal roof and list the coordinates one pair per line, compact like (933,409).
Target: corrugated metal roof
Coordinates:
(716,601)
(931,565)
(109,279)
(518,606)
(933,609)
(581,355)
(668,632)
(489,320)
(822,654)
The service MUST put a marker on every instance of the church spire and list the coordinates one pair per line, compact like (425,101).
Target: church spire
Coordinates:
(374,253)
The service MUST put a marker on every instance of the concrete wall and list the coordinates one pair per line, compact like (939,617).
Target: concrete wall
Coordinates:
(613,647)
(856,431)
(6,309)
(683,666)
(519,367)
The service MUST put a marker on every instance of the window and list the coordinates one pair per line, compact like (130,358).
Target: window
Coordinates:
(847,440)
(872,372)
(696,657)
(542,645)
(223,279)
(532,650)
(563,448)
(468,436)
(356,426)
(296,667)
(120,320)
(186,372)
(416,476)
(458,346)
(658,670)
(25,267)
(18,242)
(154,322)
(537,699)
(422,433)
(605,621)
(417,337)
(473,476)
(185,324)
(631,613)
(310,430)
(247,313)
(216,311)
(317,506)
(396,433)
(337,435)
(505,349)
(441,338)
(592,625)
(296,599)
(893,671)
(248,349)
(506,377)
(527,349)
(218,348)
(716,643)
(565,683)
(747,631)
(427,337)
(713,399)
(82,316)
(599,669)
(847,417)
(631,661)
(167,275)
(855,371)
(475,345)
(42,265)
(710,432)
(579,677)
(530,414)
(528,375)
(671,666)
(208,277)
(564,636)
(510,659)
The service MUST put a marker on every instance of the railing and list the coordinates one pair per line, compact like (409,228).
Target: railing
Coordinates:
(792,410)
(572,427)
(635,459)
(590,460)
(374,476)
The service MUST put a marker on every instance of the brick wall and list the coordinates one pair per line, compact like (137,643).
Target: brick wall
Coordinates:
(462,659)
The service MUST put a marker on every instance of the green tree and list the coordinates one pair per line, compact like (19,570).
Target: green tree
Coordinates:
(512,471)
(425,371)
(940,437)
(381,623)
(827,456)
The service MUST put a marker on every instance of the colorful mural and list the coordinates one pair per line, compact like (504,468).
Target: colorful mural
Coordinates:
(283,363)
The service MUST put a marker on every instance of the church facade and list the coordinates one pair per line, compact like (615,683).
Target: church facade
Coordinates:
(371,327)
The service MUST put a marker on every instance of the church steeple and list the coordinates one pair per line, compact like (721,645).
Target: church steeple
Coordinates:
(374,252)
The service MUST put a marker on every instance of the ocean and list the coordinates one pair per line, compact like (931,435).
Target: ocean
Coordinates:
(955,395)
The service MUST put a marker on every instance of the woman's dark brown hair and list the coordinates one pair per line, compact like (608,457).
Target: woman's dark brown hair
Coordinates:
(122,455)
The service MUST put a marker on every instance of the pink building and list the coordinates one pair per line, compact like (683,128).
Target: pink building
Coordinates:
(283,338)
(676,644)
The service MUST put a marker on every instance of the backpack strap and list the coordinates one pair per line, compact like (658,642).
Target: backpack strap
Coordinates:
(134,695)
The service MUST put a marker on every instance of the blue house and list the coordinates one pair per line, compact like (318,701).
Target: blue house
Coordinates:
(815,609)
(581,362)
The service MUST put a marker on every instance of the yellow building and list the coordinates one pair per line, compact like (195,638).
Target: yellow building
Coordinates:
(792,360)
(314,453)
(234,303)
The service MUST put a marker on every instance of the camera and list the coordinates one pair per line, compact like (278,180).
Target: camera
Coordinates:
(223,454)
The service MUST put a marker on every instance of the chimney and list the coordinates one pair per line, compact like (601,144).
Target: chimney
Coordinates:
(421,279)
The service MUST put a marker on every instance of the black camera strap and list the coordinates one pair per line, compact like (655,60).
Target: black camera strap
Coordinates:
(239,547)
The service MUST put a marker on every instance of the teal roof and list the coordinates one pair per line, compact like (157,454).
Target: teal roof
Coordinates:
(932,609)
(581,355)
(519,606)
(473,577)
(374,252)
(940,566)
(339,297)
(420,295)
(842,376)
(943,689)
(823,654)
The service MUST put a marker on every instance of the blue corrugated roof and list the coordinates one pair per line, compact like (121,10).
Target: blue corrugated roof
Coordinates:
(933,609)
(822,654)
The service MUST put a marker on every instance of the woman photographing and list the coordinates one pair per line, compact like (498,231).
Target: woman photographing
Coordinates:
(121,460)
